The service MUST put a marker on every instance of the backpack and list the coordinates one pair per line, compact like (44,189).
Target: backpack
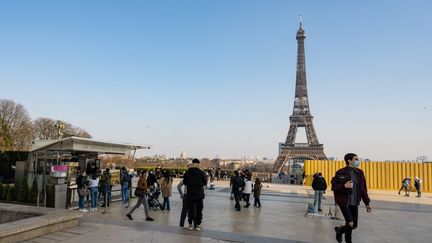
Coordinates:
(125,177)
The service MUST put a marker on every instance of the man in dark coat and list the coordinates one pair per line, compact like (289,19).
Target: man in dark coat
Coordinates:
(237,184)
(195,179)
(349,187)
(320,186)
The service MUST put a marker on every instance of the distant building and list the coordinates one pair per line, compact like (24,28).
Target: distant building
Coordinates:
(422,158)
(183,155)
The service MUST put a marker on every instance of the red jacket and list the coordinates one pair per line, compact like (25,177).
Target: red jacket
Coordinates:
(341,193)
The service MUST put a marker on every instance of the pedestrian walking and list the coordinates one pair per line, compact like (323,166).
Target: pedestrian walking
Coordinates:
(82,190)
(417,185)
(195,180)
(406,185)
(166,188)
(257,192)
(349,187)
(124,182)
(184,211)
(238,185)
(319,185)
(94,191)
(141,194)
(247,191)
(106,185)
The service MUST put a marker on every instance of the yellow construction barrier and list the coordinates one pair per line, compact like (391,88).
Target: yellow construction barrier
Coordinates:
(379,175)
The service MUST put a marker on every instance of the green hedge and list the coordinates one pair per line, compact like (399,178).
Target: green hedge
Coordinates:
(8,193)
(170,170)
(177,170)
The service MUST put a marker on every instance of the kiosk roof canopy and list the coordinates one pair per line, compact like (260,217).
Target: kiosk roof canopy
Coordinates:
(85,145)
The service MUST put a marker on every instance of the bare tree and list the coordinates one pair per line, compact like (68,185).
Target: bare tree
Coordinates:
(16,128)
(79,132)
(47,128)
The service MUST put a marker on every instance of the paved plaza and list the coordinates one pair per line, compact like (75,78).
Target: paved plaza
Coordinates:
(281,219)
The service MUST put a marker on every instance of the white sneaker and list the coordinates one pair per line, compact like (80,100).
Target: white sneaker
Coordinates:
(199,228)
(84,210)
(190,227)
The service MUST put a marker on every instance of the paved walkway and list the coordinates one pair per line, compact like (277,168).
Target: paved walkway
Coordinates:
(281,219)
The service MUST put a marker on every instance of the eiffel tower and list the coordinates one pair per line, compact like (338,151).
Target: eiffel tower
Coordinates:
(301,117)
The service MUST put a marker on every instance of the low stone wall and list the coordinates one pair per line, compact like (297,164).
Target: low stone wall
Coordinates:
(42,221)
(10,216)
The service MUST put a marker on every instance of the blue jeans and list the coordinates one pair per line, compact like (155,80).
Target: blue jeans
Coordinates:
(166,204)
(81,202)
(107,194)
(317,200)
(125,192)
(94,191)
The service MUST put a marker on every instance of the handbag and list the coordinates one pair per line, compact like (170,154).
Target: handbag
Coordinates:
(83,192)
(139,192)
(342,179)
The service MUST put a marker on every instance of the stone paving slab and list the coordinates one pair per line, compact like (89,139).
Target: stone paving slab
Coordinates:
(281,219)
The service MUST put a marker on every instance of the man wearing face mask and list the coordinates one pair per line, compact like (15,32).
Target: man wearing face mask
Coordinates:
(349,187)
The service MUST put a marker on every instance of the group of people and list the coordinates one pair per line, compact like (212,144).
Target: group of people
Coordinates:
(242,187)
(90,187)
(192,196)
(348,186)
(406,185)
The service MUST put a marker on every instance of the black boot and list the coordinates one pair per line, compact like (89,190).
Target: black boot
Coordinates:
(339,233)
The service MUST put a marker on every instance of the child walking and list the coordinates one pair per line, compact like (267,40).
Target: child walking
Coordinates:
(247,191)
(257,192)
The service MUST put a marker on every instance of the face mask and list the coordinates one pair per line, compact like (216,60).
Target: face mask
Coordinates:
(356,163)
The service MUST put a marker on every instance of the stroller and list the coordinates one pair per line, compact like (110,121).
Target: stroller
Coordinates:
(153,198)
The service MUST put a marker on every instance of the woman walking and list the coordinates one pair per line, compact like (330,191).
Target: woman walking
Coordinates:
(82,190)
(141,194)
(94,191)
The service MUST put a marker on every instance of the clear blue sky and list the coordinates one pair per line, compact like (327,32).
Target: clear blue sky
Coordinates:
(217,77)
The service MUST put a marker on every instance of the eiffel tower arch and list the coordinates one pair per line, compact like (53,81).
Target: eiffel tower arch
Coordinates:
(301,118)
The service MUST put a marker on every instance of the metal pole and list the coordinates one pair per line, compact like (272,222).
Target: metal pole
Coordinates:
(37,179)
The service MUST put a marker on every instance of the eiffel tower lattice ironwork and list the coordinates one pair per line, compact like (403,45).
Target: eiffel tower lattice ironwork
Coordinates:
(301,117)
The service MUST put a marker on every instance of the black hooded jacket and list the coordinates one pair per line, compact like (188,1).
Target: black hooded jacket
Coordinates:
(195,180)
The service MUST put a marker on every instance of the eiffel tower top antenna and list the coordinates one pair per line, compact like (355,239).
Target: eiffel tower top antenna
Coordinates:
(301,21)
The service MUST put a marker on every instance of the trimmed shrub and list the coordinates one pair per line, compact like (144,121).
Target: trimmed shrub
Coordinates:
(5,192)
(33,192)
(11,195)
(1,191)
(23,194)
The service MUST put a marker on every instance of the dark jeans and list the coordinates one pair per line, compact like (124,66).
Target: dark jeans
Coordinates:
(418,192)
(237,196)
(404,188)
(350,214)
(166,204)
(257,202)
(246,197)
(184,212)
(195,215)
(107,195)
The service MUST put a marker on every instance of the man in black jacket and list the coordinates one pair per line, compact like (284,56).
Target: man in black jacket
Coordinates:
(320,186)
(238,184)
(195,180)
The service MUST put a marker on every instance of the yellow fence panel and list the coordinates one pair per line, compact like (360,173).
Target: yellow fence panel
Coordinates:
(379,175)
